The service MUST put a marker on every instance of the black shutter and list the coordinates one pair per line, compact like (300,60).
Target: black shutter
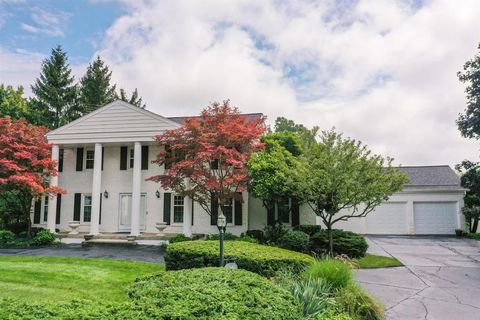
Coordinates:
(238,211)
(295,213)
(79,159)
(36,211)
(167,201)
(144,157)
(123,158)
(76,206)
(103,155)
(214,211)
(100,214)
(60,160)
(59,206)
(271,214)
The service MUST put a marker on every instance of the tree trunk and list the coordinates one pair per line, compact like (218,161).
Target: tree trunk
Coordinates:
(474,225)
(330,242)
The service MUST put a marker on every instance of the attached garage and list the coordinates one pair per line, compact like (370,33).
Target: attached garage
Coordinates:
(435,217)
(389,218)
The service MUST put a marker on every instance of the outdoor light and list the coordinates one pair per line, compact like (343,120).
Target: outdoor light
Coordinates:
(105,194)
(221,224)
(157,193)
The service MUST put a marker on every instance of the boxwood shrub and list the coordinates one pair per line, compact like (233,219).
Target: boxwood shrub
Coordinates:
(214,293)
(263,260)
(344,242)
(309,229)
(295,240)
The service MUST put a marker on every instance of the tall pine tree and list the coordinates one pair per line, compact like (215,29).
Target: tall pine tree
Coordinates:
(134,98)
(95,89)
(55,91)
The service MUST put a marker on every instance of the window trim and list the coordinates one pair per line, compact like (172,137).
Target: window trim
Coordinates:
(44,213)
(86,159)
(82,210)
(172,215)
(277,213)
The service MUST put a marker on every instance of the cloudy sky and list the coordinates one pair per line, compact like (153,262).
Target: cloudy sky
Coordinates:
(380,71)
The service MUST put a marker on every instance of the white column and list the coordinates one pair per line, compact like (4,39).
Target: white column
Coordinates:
(96,189)
(52,202)
(137,171)
(187,217)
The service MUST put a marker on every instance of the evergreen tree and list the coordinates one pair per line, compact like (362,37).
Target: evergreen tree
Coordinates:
(95,88)
(55,91)
(134,99)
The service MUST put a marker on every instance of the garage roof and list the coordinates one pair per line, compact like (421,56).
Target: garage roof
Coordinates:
(431,176)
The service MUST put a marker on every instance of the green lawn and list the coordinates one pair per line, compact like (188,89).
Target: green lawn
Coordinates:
(373,261)
(58,279)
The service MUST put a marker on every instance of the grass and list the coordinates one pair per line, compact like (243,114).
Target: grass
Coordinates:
(373,261)
(60,279)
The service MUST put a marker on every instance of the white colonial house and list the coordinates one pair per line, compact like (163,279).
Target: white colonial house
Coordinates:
(104,159)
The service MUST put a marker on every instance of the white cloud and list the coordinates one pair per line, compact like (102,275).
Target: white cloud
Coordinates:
(50,23)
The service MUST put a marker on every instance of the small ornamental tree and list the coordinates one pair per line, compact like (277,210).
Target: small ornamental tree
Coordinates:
(206,158)
(345,180)
(25,160)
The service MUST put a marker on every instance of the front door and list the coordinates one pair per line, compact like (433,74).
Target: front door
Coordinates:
(126,211)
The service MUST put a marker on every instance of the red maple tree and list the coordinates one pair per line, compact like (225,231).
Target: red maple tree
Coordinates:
(25,158)
(206,157)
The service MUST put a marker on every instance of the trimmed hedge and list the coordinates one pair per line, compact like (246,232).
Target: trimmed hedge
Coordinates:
(309,229)
(344,242)
(263,260)
(295,240)
(214,293)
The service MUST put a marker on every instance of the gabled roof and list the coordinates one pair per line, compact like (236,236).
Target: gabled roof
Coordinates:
(248,117)
(431,176)
(118,121)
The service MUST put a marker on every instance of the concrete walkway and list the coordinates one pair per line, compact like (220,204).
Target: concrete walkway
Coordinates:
(137,253)
(440,280)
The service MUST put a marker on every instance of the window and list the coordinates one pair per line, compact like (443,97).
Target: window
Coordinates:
(227,210)
(178,202)
(90,159)
(45,209)
(283,208)
(131,158)
(87,208)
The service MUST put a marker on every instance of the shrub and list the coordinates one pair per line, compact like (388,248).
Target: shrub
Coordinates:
(248,239)
(264,260)
(178,238)
(309,229)
(274,233)
(335,273)
(295,240)
(226,236)
(344,242)
(256,234)
(358,304)
(214,293)
(6,237)
(43,237)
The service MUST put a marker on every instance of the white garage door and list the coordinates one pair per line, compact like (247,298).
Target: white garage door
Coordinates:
(435,217)
(388,218)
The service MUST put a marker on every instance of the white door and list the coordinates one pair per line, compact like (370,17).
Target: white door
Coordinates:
(387,218)
(435,217)
(126,211)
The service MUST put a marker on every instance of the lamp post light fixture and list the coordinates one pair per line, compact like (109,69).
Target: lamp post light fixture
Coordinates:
(221,224)
(157,193)
(105,194)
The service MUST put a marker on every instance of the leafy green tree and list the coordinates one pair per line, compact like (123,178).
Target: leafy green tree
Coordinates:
(470,179)
(345,180)
(469,122)
(134,98)
(12,102)
(276,172)
(307,136)
(95,88)
(55,91)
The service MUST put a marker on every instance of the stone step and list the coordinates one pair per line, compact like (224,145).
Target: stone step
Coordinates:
(120,242)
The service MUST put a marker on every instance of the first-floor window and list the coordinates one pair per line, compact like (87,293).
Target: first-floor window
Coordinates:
(283,210)
(178,202)
(45,209)
(87,208)
(227,210)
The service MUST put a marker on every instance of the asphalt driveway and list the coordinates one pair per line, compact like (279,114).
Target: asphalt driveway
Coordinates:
(440,279)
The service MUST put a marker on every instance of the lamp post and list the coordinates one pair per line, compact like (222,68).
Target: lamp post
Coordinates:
(221,224)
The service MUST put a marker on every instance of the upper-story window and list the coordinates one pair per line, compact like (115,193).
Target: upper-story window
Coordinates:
(228,211)
(90,159)
(131,159)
